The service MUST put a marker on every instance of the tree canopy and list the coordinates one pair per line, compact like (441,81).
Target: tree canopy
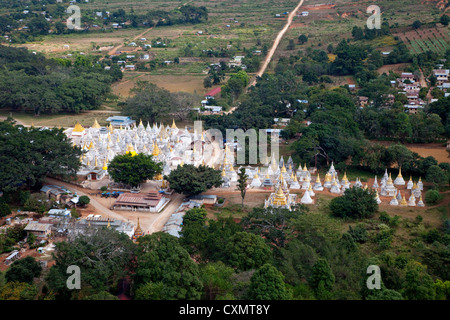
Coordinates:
(191,180)
(133,169)
(28,155)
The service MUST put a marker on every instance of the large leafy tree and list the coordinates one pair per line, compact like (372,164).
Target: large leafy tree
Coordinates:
(322,279)
(149,103)
(191,180)
(103,256)
(161,259)
(28,155)
(355,203)
(133,169)
(267,283)
(245,251)
(271,223)
(24,270)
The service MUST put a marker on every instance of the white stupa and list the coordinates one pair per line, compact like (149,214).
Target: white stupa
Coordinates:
(377,197)
(394,201)
(420,203)
(375,183)
(294,184)
(306,199)
(410,183)
(311,192)
(335,188)
(412,200)
(399,181)
(318,184)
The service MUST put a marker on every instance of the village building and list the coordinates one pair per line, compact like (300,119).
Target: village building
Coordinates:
(153,201)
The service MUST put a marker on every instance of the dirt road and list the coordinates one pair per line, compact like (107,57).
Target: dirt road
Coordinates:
(276,43)
(149,222)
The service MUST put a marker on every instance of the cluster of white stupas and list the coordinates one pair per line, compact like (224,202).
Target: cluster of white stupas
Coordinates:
(283,179)
(174,147)
(167,144)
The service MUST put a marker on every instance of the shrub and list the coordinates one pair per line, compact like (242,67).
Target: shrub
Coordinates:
(359,233)
(4,209)
(355,203)
(432,197)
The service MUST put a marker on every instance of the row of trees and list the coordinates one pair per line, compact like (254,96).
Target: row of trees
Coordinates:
(30,82)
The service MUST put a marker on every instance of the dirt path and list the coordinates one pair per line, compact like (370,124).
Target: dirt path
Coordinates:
(149,222)
(276,43)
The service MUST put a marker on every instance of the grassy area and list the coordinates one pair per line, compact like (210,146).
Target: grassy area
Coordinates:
(60,120)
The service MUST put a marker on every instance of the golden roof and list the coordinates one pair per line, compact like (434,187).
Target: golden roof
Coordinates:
(318,178)
(400,172)
(327,177)
(223,172)
(78,128)
(105,167)
(280,197)
(283,169)
(231,167)
(155,151)
(389,179)
(403,202)
(96,125)
(174,126)
(305,168)
(130,150)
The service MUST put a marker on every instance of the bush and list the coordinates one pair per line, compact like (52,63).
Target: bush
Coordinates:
(359,233)
(432,197)
(355,203)
(4,209)
(104,188)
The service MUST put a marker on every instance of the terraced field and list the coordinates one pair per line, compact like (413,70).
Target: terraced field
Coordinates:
(422,40)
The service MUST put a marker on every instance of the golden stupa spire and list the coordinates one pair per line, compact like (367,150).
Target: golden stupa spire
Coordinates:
(223,172)
(105,167)
(109,224)
(174,126)
(400,172)
(155,151)
(280,197)
(283,168)
(78,128)
(318,177)
(96,125)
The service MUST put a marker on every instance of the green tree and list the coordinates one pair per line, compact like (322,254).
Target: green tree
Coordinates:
(207,82)
(356,203)
(432,197)
(437,176)
(418,283)
(149,291)
(24,163)
(161,259)
(242,184)
(150,103)
(191,180)
(18,291)
(302,39)
(24,270)
(4,209)
(216,279)
(104,295)
(267,283)
(245,251)
(444,19)
(84,201)
(322,279)
(103,256)
(416,24)
(133,169)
